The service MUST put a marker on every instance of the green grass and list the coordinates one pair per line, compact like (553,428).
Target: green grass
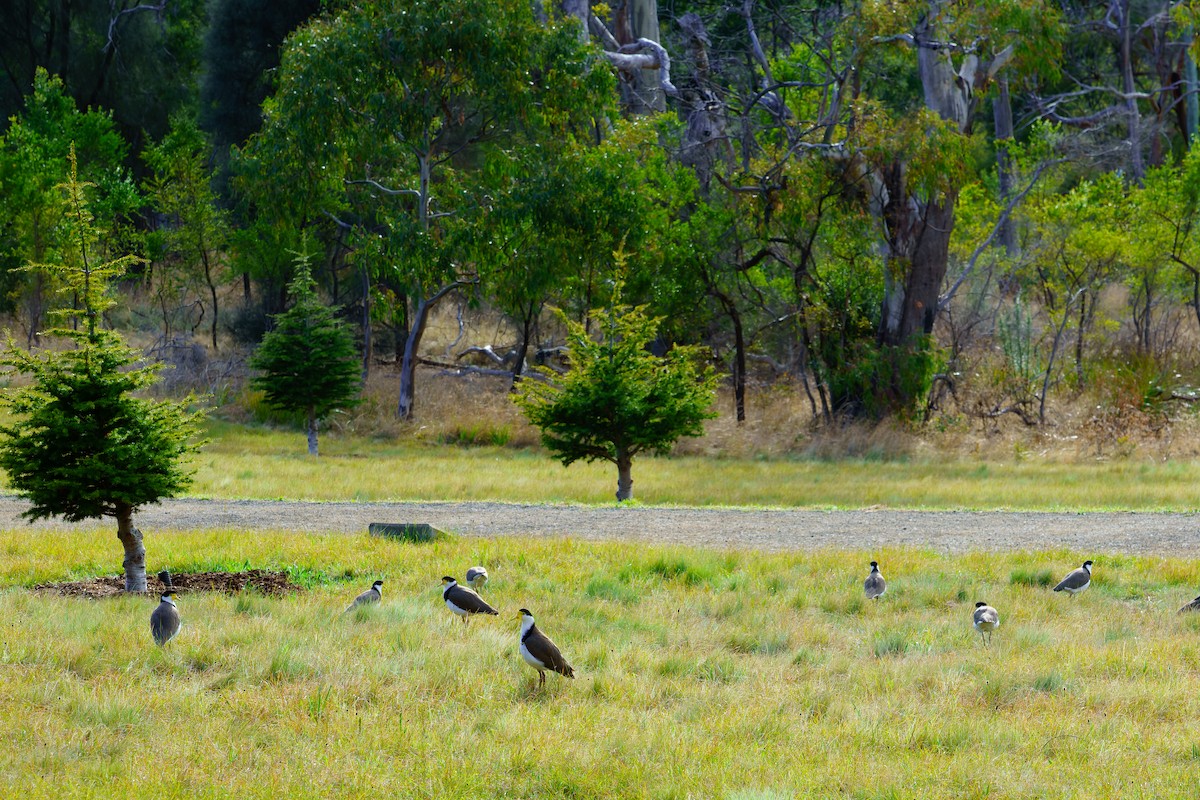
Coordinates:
(261,463)
(699,674)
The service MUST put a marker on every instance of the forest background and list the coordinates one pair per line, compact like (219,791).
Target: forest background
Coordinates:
(972,222)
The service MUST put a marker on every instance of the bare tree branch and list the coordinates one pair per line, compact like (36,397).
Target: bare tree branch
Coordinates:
(374,184)
(159,7)
(945,299)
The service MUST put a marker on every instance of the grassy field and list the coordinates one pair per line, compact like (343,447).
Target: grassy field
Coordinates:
(699,675)
(248,462)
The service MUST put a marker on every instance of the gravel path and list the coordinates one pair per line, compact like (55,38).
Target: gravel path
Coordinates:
(947,531)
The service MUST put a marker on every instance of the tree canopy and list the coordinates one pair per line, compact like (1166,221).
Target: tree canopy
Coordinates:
(619,399)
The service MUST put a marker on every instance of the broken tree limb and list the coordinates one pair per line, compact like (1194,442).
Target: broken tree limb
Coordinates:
(644,54)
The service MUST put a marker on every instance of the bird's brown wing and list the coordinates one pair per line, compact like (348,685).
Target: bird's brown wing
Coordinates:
(468,601)
(540,647)
(1075,580)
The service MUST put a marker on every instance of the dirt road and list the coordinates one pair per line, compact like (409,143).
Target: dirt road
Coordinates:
(947,531)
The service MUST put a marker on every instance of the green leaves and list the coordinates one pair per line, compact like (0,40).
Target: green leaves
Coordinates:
(80,444)
(309,361)
(619,399)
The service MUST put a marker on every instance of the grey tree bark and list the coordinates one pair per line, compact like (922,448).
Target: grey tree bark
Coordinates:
(408,362)
(1137,168)
(135,553)
(624,475)
(917,246)
(1003,118)
(313,422)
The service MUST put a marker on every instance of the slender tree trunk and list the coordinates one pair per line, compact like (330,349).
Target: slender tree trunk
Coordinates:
(1137,169)
(366,325)
(739,366)
(408,363)
(1054,348)
(212,290)
(135,554)
(624,475)
(522,348)
(1079,333)
(1191,103)
(313,423)
(739,349)
(1002,115)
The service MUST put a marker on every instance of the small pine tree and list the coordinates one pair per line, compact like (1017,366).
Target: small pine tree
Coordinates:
(80,444)
(619,399)
(308,362)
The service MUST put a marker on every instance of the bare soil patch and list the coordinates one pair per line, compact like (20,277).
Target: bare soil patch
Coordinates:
(267,582)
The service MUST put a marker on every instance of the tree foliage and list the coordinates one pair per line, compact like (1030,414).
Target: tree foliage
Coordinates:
(82,444)
(308,362)
(619,399)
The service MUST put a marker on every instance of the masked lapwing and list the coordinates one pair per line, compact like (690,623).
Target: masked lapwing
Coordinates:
(1192,606)
(874,586)
(368,597)
(539,652)
(477,577)
(1077,581)
(986,620)
(464,601)
(164,620)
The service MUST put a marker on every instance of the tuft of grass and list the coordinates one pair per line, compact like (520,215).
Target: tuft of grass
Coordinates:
(1031,577)
(603,587)
(480,434)
(890,643)
(1049,682)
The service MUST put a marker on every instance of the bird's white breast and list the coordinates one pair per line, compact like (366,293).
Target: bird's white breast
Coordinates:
(529,659)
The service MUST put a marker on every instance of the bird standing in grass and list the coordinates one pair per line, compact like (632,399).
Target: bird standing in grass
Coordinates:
(464,601)
(986,619)
(874,586)
(164,620)
(1192,606)
(1077,581)
(372,595)
(539,652)
(477,577)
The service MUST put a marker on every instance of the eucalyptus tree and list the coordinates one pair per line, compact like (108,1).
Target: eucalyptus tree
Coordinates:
(394,103)
(138,60)
(555,222)
(195,231)
(1078,245)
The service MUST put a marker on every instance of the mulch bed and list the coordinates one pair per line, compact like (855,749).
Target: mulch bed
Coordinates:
(263,581)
